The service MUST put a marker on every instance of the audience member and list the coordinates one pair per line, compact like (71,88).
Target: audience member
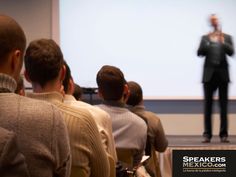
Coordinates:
(45,69)
(101,117)
(40,129)
(156,136)
(12,162)
(114,91)
(155,129)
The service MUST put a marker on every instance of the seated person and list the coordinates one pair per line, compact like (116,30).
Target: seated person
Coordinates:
(101,117)
(41,132)
(113,90)
(45,69)
(156,134)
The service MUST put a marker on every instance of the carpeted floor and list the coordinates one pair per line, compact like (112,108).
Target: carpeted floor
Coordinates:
(196,140)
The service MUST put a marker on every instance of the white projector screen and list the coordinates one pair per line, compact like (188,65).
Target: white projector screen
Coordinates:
(154,42)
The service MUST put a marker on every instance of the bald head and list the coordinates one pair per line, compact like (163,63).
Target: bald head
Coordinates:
(12,37)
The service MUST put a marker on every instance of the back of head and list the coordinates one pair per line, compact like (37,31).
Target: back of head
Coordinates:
(111,81)
(136,94)
(43,61)
(12,37)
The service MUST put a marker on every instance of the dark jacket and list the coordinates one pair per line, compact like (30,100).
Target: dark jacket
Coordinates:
(215,54)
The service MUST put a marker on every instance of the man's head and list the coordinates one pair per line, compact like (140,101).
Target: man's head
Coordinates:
(111,83)
(136,94)
(12,46)
(214,21)
(44,62)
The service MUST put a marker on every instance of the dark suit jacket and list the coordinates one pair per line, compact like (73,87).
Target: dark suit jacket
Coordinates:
(12,162)
(216,57)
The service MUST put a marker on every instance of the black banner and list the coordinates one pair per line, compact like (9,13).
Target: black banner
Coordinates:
(206,163)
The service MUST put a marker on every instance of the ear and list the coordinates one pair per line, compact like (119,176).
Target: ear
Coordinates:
(71,86)
(62,73)
(27,76)
(126,93)
(15,56)
(16,63)
(100,93)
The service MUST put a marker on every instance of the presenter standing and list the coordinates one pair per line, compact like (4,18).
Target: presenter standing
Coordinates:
(215,47)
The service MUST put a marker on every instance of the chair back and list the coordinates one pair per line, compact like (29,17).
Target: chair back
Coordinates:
(126,155)
(76,171)
(152,165)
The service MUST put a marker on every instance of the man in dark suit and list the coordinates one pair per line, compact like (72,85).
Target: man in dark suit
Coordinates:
(215,47)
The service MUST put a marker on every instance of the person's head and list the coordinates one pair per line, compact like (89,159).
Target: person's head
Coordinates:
(20,90)
(12,46)
(111,83)
(214,21)
(77,92)
(136,94)
(68,81)
(44,63)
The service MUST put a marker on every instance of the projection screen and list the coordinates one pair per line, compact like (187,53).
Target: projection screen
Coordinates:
(154,42)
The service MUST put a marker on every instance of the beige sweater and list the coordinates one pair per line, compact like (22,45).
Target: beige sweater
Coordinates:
(10,156)
(86,146)
(103,121)
(40,129)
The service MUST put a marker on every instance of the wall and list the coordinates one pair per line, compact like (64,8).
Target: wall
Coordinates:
(39,19)
(35,17)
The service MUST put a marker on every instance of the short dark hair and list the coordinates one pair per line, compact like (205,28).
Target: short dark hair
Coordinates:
(136,93)
(12,37)
(111,81)
(43,61)
(78,92)
(67,78)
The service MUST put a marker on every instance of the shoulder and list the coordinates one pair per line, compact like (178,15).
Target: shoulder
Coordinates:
(137,120)
(205,36)
(77,115)
(151,115)
(34,104)
(74,110)
(227,36)
(32,109)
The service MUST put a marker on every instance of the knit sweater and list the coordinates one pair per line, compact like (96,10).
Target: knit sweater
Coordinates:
(10,156)
(87,151)
(41,131)
(129,130)
(102,120)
